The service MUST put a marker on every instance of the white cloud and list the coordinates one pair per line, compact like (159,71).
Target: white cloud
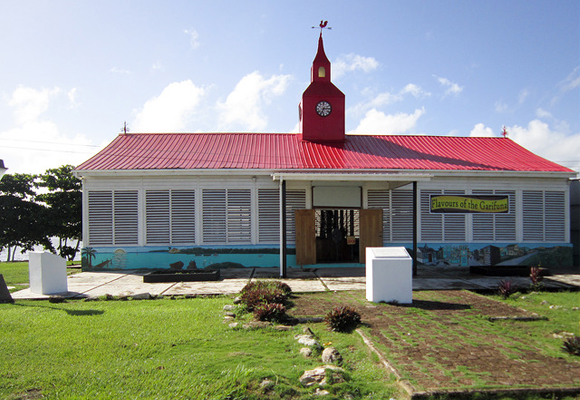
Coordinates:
(541,113)
(171,110)
(501,107)
(193,37)
(242,108)
(34,144)
(572,81)
(539,138)
(353,62)
(378,123)
(480,130)
(452,88)
(523,96)
(117,70)
(415,91)
(72,98)
(29,103)
(386,98)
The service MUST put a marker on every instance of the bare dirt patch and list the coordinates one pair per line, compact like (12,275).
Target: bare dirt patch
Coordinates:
(446,342)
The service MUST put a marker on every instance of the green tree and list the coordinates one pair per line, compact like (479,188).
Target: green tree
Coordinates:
(22,220)
(64,204)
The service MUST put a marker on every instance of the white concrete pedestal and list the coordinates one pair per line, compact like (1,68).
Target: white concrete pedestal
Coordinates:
(47,273)
(389,275)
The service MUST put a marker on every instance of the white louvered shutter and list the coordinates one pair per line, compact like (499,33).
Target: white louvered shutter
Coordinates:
(214,215)
(268,215)
(157,211)
(239,216)
(183,216)
(402,215)
(126,217)
(100,203)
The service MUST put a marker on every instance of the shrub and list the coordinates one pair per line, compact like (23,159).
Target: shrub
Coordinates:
(506,289)
(273,312)
(536,277)
(572,345)
(342,319)
(264,292)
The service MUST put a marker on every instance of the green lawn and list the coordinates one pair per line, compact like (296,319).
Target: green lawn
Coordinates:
(162,349)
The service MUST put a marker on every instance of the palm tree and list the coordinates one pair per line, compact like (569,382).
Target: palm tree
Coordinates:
(88,254)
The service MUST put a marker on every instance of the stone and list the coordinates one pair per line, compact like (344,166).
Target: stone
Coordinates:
(234,325)
(237,300)
(330,356)
(306,352)
(229,307)
(192,265)
(321,392)
(283,328)
(5,296)
(141,296)
(318,375)
(267,385)
(230,314)
(256,325)
(177,265)
(307,340)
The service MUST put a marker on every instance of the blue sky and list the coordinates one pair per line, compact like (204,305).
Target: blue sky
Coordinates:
(73,71)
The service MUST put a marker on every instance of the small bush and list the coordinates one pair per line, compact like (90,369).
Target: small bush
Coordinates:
(536,277)
(572,345)
(273,312)
(264,292)
(342,319)
(506,289)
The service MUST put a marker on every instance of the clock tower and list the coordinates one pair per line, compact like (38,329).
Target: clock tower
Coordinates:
(322,107)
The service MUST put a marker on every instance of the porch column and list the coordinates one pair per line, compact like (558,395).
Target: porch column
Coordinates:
(282,228)
(415,228)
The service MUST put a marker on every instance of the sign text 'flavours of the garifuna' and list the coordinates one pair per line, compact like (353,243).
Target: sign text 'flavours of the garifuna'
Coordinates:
(469,204)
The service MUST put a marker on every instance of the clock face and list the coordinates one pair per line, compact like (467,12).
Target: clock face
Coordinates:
(323,108)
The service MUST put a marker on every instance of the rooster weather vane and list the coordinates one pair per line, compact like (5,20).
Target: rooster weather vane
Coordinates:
(323,25)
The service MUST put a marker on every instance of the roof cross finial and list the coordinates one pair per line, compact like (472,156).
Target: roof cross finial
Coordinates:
(323,25)
(504,132)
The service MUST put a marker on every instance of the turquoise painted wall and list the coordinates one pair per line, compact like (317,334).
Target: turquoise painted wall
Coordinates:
(458,254)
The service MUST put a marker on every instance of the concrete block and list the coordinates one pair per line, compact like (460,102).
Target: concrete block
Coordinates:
(389,275)
(47,273)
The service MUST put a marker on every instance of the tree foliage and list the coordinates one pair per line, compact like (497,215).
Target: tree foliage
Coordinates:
(64,205)
(36,208)
(22,220)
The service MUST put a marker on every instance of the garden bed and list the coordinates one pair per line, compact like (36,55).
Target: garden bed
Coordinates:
(504,271)
(166,275)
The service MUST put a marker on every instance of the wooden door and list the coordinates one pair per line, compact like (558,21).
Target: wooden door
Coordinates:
(305,237)
(371,230)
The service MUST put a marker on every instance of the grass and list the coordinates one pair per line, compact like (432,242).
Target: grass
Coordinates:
(162,349)
(16,273)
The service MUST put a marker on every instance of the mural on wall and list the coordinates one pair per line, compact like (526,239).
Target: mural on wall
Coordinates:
(453,255)
(462,255)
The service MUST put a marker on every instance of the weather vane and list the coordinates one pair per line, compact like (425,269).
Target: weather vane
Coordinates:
(322,26)
(504,132)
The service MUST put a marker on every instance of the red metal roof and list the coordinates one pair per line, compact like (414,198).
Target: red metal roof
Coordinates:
(271,151)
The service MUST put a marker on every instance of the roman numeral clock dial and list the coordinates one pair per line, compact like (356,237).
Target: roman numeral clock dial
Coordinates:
(323,108)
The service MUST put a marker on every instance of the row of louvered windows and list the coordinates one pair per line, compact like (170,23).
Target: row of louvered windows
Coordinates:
(170,216)
(226,216)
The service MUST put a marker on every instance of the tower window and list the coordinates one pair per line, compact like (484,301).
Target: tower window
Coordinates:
(321,72)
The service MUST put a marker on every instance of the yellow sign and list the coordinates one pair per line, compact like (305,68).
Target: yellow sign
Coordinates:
(469,204)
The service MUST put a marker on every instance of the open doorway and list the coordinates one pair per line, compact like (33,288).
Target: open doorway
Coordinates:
(337,235)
